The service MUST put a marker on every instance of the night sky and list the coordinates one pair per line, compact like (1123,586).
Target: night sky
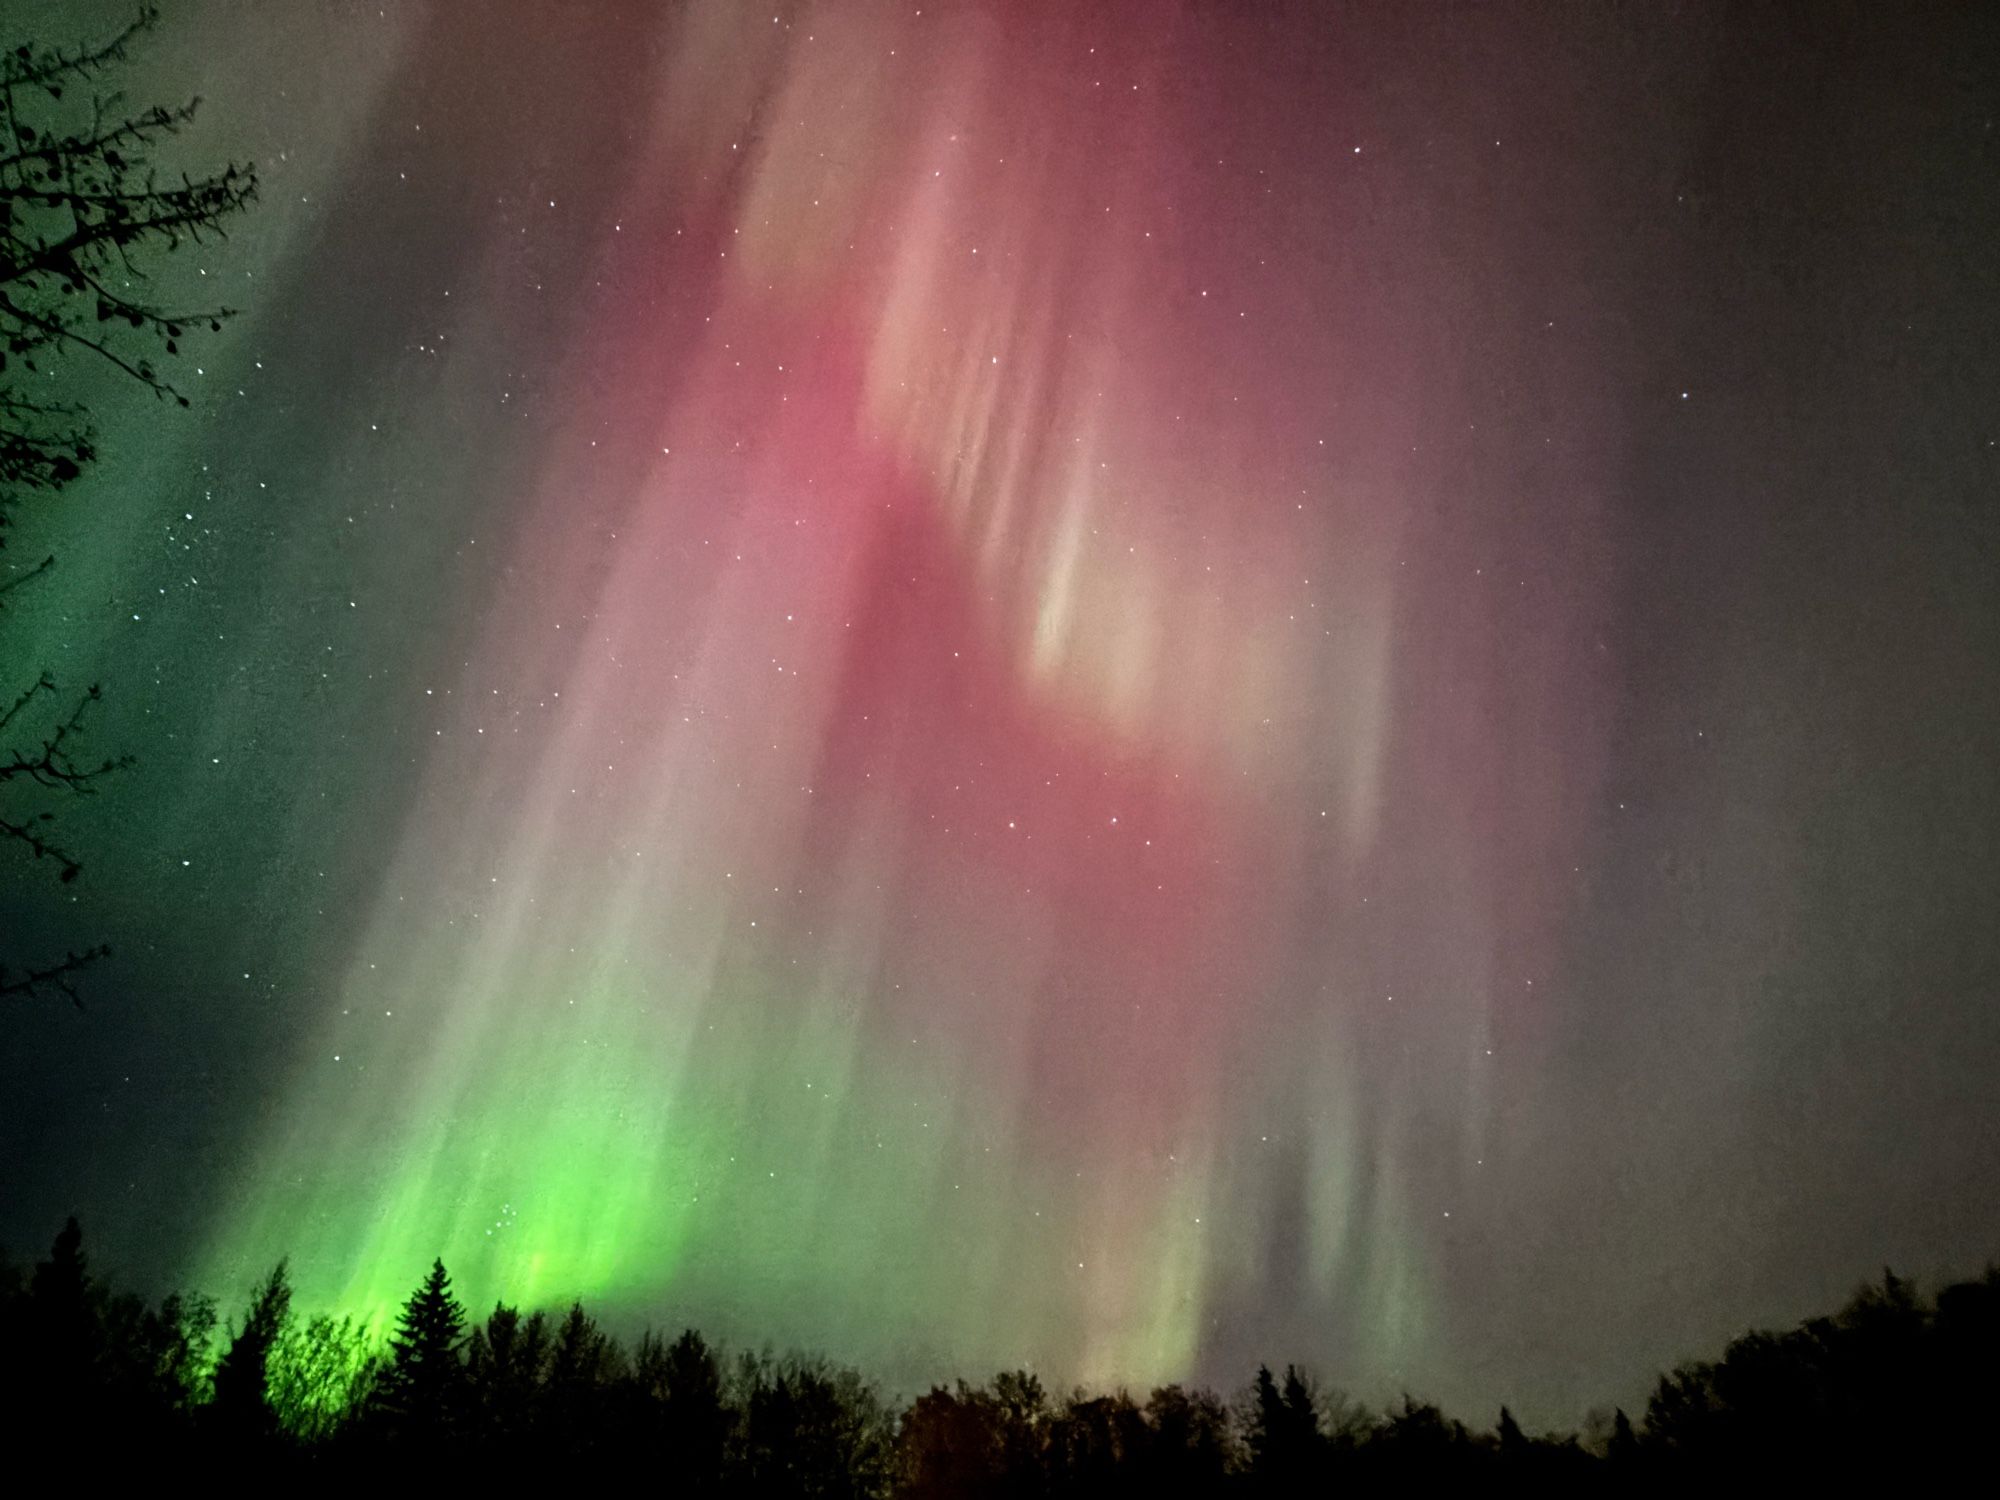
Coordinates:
(1126,686)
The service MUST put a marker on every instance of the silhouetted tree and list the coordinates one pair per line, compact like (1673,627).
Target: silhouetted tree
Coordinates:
(811,1432)
(506,1361)
(1875,1365)
(242,1401)
(977,1442)
(1965,1332)
(85,215)
(583,1365)
(1021,1421)
(421,1392)
(949,1444)
(1096,1447)
(1282,1438)
(1840,1392)
(692,1421)
(1418,1439)
(1191,1448)
(1538,1462)
(1623,1446)
(80,1357)
(59,1329)
(175,1357)
(320,1375)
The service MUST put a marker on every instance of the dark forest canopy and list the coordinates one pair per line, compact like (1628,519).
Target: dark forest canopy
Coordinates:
(1891,1380)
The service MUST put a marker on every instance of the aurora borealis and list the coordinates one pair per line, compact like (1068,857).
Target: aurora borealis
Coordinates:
(1128,687)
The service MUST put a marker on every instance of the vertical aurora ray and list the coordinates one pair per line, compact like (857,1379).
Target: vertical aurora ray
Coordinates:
(988,831)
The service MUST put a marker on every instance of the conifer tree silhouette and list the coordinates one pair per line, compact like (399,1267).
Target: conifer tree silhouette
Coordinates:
(506,1361)
(1624,1445)
(55,1361)
(694,1420)
(1283,1438)
(422,1390)
(242,1401)
(581,1366)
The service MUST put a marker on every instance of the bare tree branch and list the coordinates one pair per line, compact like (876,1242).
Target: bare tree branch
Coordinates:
(84,214)
(25,69)
(26,983)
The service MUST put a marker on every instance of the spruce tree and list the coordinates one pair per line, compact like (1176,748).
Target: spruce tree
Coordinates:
(242,1404)
(1624,1445)
(696,1422)
(1284,1439)
(423,1388)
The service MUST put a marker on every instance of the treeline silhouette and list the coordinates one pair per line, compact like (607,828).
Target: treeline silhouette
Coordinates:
(1890,1382)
